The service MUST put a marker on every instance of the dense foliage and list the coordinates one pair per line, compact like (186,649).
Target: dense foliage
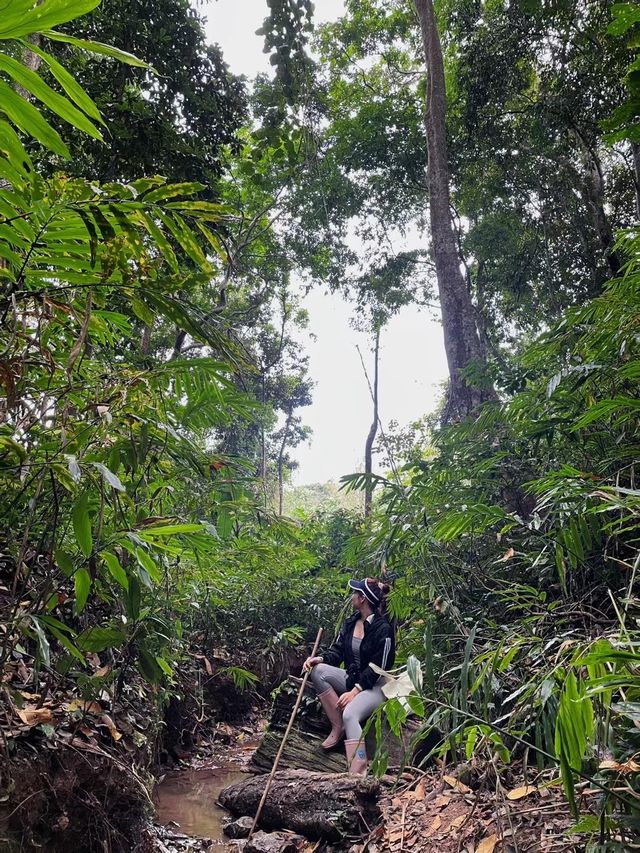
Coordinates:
(151,229)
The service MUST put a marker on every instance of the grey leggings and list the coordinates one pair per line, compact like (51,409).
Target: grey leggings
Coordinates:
(365,703)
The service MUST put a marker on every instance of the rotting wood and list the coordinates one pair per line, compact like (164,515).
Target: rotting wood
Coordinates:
(325,806)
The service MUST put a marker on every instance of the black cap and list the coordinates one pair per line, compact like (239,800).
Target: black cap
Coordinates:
(365,588)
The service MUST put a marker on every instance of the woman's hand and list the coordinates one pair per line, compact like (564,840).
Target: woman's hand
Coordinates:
(310,663)
(347,697)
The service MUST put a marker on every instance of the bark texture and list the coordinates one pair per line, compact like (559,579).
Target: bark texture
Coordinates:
(301,751)
(594,196)
(317,805)
(371,437)
(461,338)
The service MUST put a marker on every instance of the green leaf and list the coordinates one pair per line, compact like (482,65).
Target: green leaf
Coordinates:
(224,524)
(186,239)
(24,17)
(99,639)
(109,476)
(82,585)
(172,191)
(59,631)
(161,241)
(68,83)
(64,562)
(148,666)
(98,47)
(148,564)
(470,744)
(82,524)
(43,644)
(132,599)
(115,569)
(29,120)
(164,666)
(57,103)
(625,16)
(171,530)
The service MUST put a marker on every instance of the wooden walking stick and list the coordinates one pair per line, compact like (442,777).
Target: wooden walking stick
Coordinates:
(285,736)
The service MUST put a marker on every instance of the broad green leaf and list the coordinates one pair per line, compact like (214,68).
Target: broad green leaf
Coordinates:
(164,666)
(99,639)
(82,586)
(172,191)
(65,562)
(625,16)
(116,570)
(23,17)
(147,562)
(224,523)
(170,530)
(148,666)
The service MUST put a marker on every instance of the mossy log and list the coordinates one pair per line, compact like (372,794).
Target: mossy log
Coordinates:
(325,806)
(303,748)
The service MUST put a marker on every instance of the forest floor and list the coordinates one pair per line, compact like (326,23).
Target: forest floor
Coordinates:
(73,758)
(422,811)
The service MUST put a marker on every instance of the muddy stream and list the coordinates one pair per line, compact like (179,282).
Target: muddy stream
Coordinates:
(187,800)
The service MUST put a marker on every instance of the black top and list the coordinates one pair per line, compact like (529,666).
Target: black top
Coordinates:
(378,646)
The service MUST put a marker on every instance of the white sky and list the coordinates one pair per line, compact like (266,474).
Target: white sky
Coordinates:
(412,359)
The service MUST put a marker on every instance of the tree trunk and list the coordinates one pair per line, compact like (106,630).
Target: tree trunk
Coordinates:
(317,805)
(280,460)
(368,450)
(145,343)
(594,198)
(461,339)
(302,751)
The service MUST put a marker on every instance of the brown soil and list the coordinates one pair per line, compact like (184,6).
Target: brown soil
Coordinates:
(71,799)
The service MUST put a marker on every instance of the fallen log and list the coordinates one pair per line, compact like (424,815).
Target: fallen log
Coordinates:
(303,749)
(319,806)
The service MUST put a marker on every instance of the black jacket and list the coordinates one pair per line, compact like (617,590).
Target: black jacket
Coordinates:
(378,646)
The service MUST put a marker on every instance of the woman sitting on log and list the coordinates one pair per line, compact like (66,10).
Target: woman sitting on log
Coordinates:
(352,694)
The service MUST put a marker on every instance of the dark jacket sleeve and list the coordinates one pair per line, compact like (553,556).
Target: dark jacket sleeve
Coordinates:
(383,656)
(334,655)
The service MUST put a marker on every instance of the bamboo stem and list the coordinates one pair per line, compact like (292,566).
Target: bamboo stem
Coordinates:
(284,737)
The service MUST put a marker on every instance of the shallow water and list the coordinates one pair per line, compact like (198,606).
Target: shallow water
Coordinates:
(188,798)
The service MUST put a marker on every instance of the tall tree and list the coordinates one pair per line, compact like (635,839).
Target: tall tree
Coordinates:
(373,429)
(461,338)
(174,122)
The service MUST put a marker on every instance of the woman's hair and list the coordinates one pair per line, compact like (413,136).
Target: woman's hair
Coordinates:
(381,590)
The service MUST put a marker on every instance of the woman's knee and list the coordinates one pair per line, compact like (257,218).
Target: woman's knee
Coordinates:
(351,714)
(317,676)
